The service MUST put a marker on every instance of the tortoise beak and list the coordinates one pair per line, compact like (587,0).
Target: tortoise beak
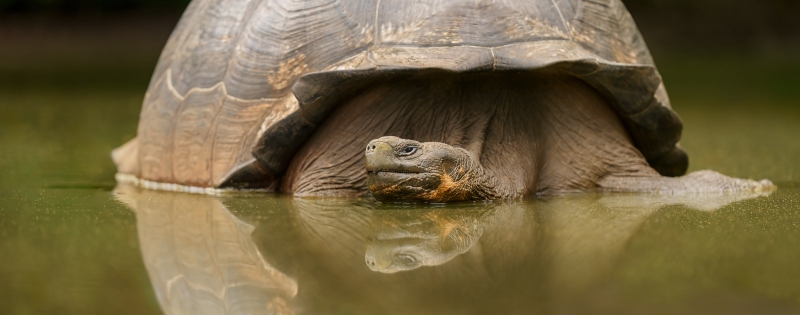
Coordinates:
(380,156)
(377,263)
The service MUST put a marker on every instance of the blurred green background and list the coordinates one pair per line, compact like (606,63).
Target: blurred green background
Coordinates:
(73,74)
(749,24)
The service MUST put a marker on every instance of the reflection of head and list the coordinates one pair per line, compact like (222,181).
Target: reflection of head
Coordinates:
(403,240)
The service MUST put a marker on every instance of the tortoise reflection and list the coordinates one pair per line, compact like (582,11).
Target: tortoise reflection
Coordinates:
(289,255)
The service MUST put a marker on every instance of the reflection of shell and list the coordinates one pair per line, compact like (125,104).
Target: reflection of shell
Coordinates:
(201,259)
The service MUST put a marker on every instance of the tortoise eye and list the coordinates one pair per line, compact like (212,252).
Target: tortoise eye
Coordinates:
(405,260)
(409,150)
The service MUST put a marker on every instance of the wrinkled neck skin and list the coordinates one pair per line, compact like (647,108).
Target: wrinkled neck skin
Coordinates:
(482,122)
(480,136)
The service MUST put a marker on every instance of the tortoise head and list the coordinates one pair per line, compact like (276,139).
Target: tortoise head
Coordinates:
(407,170)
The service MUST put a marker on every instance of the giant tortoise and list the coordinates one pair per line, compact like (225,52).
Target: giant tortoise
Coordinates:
(462,99)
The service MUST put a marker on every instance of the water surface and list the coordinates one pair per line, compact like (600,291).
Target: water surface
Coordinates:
(587,254)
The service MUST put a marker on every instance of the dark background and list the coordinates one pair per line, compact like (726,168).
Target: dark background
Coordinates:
(760,25)
(86,36)
(50,42)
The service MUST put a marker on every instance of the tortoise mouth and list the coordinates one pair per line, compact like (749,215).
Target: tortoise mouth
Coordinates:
(400,177)
(399,185)
(378,171)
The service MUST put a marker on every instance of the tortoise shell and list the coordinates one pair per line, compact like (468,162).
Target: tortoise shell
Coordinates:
(241,84)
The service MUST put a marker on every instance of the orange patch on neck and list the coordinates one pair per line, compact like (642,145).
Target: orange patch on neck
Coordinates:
(449,190)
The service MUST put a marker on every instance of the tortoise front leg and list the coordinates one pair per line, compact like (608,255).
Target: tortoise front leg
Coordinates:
(705,181)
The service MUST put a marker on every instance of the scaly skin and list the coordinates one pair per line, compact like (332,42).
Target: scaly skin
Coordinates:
(482,136)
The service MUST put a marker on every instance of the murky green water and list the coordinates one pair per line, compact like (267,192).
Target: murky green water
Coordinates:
(72,242)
